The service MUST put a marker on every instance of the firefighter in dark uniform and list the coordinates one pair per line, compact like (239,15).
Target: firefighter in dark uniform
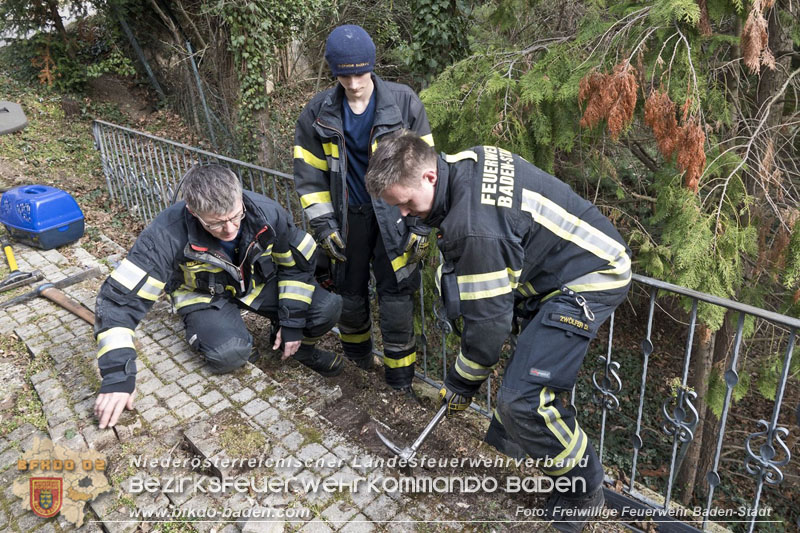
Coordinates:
(518,244)
(335,135)
(218,252)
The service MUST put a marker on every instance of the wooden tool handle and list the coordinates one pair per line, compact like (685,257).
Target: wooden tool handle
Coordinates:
(12,263)
(58,297)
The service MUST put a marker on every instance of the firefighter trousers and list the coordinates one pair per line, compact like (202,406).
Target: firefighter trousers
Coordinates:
(395,301)
(219,334)
(532,417)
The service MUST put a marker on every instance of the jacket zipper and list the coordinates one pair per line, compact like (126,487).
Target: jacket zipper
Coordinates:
(342,173)
(239,268)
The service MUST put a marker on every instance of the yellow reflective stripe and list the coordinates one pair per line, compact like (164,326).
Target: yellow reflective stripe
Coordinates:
(400,261)
(151,289)
(295,290)
(552,418)
(248,298)
(331,149)
(283,259)
(317,204)
(307,247)
(267,250)
(571,455)
(309,158)
(114,339)
(374,146)
(184,298)
(470,369)
(429,139)
(190,272)
(315,198)
(487,285)
(526,289)
(128,274)
(400,363)
(460,156)
(355,338)
(600,281)
(513,277)
(571,228)
(310,340)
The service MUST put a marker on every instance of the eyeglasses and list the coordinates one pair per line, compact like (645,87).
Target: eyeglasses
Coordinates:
(218,225)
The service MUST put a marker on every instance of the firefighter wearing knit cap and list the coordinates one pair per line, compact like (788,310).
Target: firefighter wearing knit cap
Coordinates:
(335,136)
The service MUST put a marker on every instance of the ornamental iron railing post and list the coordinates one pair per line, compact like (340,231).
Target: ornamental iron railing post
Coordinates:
(765,465)
(647,349)
(608,386)
(681,423)
(731,379)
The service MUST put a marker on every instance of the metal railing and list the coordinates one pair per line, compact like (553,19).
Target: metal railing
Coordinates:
(142,172)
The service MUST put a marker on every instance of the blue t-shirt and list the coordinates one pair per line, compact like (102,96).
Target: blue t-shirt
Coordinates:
(356,140)
(231,247)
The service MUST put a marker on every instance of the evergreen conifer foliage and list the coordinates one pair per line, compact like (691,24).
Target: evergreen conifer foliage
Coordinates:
(679,118)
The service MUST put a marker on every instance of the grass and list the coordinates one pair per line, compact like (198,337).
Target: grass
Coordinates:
(27,406)
(310,434)
(240,440)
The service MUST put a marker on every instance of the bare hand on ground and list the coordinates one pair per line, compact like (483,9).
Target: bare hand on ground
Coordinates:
(108,407)
(289,348)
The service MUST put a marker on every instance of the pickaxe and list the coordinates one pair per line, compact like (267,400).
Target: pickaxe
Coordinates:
(410,451)
(52,291)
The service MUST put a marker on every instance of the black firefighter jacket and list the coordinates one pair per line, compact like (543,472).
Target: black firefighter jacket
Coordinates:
(320,163)
(509,232)
(175,254)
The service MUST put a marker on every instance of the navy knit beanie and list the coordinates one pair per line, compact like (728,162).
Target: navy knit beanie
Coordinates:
(350,50)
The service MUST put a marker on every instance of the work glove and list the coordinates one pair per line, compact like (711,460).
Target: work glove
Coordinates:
(416,247)
(456,402)
(334,246)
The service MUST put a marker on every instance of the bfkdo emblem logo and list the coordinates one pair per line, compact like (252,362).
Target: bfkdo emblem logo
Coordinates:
(46,495)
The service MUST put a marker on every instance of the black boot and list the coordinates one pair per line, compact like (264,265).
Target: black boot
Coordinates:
(569,513)
(363,362)
(326,363)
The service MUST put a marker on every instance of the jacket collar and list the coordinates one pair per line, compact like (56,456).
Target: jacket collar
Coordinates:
(201,240)
(386,110)
(441,195)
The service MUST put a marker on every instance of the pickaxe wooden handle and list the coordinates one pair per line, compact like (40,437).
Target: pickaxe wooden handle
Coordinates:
(57,286)
(49,291)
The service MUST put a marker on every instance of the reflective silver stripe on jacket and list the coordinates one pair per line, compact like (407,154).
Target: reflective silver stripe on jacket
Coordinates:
(114,339)
(128,274)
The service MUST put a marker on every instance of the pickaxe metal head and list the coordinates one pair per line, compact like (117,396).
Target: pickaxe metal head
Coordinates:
(18,278)
(410,451)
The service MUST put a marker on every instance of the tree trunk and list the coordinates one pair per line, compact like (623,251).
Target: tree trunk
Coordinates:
(55,18)
(698,381)
(723,346)
(772,79)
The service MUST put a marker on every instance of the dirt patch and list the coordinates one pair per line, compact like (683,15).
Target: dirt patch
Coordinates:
(367,404)
(132,100)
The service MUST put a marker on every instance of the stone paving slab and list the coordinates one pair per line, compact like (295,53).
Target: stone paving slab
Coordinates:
(188,426)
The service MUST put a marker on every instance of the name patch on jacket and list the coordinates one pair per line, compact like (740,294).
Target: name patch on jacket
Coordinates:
(497,184)
(570,321)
